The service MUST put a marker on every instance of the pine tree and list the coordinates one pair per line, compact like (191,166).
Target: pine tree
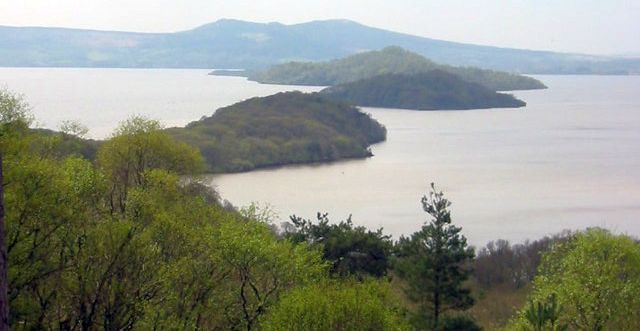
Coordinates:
(434,262)
(544,315)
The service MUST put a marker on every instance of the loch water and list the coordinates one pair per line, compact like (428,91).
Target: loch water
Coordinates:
(569,160)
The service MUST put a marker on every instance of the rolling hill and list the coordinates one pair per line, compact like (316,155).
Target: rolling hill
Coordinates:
(238,44)
(390,60)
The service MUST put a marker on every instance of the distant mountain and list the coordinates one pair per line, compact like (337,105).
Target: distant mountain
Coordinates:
(238,44)
(393,60)
(283,128)
(431,90)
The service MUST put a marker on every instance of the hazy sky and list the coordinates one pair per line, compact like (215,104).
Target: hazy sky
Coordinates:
(587,26)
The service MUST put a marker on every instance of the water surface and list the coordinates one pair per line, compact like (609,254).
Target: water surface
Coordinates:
(569,160)
(101,98)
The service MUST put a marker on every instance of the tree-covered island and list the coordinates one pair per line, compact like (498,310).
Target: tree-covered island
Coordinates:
(390,60)
(285,128)
(433,90)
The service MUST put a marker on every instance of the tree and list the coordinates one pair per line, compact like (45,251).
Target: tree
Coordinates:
(14,117)
(137,145)
(596,278)
(337,305)
(434,262)
(261,269)
(352,250)
(544,315)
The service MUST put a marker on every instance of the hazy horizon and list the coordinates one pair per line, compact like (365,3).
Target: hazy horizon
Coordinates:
(589,27)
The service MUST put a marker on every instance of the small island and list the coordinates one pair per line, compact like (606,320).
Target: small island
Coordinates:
(390,60)
(229,72)
(433,90)
(285,128)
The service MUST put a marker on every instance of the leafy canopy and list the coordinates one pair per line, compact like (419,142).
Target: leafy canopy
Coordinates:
(596,278)
(347,306)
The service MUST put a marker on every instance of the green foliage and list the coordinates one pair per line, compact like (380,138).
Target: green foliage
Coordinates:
(390,60)
(14,109)
(351,250)
(74,128)
(344,306)
(544,316)
(16,134)
(262,268)
(137,145)
(63,144)
(15,119)
(264,213)
(174,258)
(434,262)
(281,129)
(436,89)
(596,277)
(171,257)
(458,323)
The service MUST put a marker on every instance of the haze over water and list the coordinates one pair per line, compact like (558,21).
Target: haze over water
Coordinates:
(567,161)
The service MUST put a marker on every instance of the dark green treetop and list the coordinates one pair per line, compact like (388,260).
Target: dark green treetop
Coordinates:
(351,250)
(433,262)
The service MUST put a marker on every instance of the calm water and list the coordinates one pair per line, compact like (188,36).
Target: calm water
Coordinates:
(569,160)
(100,98)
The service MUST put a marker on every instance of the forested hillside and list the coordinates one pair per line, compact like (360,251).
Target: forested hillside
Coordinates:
(386,61)
(284,128)
(134,240)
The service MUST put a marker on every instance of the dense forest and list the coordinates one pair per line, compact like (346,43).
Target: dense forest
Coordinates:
(436,89)
(134,240)
(284,128)
(388,60)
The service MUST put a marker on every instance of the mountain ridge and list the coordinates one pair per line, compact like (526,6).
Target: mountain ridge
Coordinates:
(230,43)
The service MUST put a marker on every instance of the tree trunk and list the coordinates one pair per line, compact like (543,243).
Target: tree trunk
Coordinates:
(4,282)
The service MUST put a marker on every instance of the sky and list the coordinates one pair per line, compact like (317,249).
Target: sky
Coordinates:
(582,26)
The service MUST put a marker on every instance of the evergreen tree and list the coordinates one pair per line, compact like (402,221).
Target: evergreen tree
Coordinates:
(351,250)
(433,262)
(544,315)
